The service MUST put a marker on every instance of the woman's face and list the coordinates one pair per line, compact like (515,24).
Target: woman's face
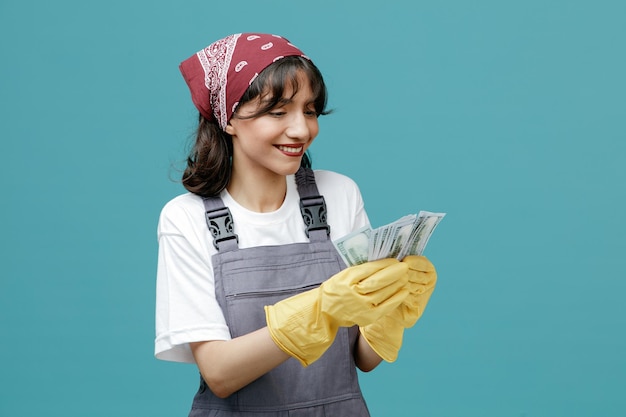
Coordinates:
(273,144)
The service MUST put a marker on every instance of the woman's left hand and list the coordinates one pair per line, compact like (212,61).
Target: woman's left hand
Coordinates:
(385,335)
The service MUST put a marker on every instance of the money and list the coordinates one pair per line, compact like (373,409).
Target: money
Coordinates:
(353,248)
(389,237)
(421,233)
(405,236)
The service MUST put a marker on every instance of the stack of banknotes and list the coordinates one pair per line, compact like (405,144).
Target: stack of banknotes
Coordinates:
(406,236)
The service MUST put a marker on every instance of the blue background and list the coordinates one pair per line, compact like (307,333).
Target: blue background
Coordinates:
(507,115)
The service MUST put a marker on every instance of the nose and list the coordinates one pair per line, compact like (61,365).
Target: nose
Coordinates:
(299,127)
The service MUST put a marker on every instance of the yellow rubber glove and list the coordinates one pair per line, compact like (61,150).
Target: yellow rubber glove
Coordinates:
(305,325)
(385,335)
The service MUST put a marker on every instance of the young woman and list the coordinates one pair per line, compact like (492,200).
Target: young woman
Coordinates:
(249,285)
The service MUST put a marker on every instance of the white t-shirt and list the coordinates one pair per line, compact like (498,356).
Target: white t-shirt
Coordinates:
(186,306)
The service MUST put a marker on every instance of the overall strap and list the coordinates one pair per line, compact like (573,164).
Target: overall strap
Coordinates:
(312,206)
(221,224)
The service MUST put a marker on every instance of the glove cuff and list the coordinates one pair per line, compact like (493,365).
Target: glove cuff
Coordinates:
(384,337)
(299,329)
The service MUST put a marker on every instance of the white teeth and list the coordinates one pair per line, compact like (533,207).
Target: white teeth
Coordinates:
(290,149)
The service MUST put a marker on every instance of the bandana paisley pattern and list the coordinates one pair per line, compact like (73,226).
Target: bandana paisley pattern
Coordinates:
(219,74)
(215,60)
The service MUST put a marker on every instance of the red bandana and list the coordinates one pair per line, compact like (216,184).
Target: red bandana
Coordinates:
(219,75)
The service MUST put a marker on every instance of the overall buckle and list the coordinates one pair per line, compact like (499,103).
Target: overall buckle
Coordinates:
(313,211)
(221,225)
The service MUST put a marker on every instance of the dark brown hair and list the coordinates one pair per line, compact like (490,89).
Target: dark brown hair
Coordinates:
(209,161)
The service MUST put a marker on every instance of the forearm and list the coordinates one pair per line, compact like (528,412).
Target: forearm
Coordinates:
(364,356)
(229,365)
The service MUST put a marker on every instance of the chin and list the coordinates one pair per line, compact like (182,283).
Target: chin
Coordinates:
(291,171)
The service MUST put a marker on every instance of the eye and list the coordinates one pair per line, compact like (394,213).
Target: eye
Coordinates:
(277,113)
(310,113)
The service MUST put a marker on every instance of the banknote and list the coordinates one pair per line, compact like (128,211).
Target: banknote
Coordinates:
(421,233)
(405,236)
(394,237)
(353,248)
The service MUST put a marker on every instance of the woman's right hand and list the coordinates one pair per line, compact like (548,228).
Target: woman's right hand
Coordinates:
(361,294)
(305,325)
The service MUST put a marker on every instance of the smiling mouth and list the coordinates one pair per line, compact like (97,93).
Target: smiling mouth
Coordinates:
(290,149)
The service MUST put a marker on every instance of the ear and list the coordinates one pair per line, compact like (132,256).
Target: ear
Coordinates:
(229,129)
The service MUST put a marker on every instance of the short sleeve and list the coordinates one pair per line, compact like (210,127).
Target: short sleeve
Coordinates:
(346,210)
(186,306)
